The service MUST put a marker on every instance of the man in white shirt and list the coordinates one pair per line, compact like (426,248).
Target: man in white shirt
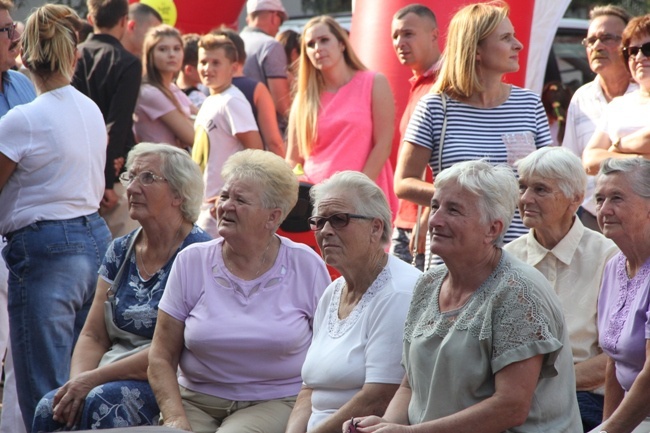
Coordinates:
(603,45)
(572,258)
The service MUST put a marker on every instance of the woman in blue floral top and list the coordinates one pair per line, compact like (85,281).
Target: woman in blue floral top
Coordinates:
(108,384)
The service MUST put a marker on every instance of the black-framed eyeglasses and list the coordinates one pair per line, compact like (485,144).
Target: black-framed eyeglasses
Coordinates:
(337,221)
(633,51)
(605,39)
(144,177)
(10,29)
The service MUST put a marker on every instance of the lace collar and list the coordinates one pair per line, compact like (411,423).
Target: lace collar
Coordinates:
(338,327)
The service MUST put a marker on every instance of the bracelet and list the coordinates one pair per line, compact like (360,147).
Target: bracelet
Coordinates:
(617,145)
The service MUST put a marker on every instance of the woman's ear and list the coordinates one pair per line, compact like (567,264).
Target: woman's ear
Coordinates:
(275,219)
(494,231)
(377,228)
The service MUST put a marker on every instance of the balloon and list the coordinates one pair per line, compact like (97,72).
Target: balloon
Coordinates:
(166,9)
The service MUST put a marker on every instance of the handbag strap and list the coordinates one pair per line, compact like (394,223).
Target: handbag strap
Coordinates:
(116,282)
(443,131)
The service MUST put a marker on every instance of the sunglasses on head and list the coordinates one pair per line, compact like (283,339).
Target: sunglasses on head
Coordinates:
(633,51)
(337,221)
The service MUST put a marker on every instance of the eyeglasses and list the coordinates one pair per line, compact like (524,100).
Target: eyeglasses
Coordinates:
(605,39)
(337,221)
(633,51)
(11,31)
(145,178)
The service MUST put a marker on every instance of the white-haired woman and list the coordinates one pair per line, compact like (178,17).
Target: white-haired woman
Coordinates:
(108,384)
(358,328)
(236,317)
(484,117)
(485,345)
(623,204)
(572,257)
(52,153)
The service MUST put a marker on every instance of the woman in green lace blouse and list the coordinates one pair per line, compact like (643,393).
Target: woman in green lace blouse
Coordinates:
(485,344)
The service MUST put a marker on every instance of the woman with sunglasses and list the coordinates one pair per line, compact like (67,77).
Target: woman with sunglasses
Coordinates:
(235,321)
(623,131)
(358,327)
(108,384)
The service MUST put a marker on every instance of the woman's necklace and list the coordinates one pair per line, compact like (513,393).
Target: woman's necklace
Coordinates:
(169,254)
(230,266)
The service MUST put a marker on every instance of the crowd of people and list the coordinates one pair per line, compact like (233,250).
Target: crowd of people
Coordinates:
(145,174)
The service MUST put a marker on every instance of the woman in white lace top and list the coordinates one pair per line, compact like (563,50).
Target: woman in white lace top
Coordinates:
(485,344)
(353,364)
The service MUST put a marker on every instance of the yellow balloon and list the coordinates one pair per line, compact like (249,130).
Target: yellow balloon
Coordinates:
(166,9)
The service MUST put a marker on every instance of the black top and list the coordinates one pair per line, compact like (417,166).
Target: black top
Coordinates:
(247,87)
(109,75)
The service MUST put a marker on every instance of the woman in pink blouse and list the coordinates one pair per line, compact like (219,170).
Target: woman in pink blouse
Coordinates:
(342,115)
(162,114)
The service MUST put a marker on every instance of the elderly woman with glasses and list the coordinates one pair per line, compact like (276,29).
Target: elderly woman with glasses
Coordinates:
(623,131)
(571,256)
(623,203)
(236,318)
(108,384)
(485,345)
(358,327)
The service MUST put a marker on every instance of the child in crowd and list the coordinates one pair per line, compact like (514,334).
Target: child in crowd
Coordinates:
(188,78)
(225,123)
(162,114)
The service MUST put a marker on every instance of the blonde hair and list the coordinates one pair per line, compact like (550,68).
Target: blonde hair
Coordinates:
(304,110)
(271,172)
(151,74)
(467,29)
(50,41)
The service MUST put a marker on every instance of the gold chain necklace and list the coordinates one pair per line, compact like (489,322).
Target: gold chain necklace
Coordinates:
(169,254)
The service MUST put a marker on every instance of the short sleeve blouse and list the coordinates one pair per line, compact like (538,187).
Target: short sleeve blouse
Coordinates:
(513,316)
(136,299)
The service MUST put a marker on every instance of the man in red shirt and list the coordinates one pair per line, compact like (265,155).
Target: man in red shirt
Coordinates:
(415,39)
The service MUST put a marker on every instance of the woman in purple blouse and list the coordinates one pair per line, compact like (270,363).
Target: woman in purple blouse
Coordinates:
(623,203)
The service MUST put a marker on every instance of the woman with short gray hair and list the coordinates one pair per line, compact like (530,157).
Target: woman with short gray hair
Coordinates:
(572,257)
(109,364)
(486,311)
(623,204)
(358,326)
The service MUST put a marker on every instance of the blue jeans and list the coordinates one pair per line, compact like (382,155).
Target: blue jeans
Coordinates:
(52,278)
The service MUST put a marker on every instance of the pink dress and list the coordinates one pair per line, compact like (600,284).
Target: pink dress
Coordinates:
(345,135)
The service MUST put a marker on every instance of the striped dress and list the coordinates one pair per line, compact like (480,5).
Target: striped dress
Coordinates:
(502,134)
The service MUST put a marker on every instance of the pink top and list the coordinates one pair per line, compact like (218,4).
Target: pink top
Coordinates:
(152,105)
(244,340)
(344,135)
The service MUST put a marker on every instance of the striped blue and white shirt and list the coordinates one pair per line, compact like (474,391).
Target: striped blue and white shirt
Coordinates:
(502,134)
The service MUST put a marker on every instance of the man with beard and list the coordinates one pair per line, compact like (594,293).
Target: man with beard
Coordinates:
(603,44)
